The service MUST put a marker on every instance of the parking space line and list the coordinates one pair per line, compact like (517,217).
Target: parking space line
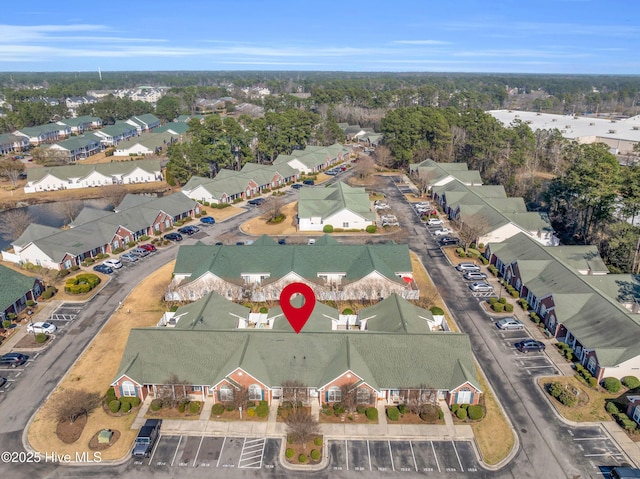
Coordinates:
(604,454)
(436,456)
(415,463)
(453,443)
(589,438)
(254,453)
(221,449)
(369,453)
(198,451)
(346,453)
(155,447)
(391,456)
(176,453)
(538,367)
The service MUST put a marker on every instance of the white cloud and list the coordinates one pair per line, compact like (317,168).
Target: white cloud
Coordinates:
(421,42)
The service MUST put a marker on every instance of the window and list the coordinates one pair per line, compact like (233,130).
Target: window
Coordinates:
(196,388)
(345,225)
(255,393)
(226,393)
(363,396)
(128,389)
(334,394)
(636,414)
(591,365)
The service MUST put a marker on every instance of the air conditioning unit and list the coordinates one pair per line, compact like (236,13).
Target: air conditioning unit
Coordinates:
(636,128)
(554,119)
(612,131)
(592,124)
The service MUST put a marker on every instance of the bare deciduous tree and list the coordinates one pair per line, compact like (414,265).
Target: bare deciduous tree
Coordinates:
(71,404)
(301,426)
(364,168)
(423,178)
(70,209)
(418,399)
(295,392)
(349,397)
(14,224)
(470,229)
(11,170)
(383,156)
(114,193)
(273,207)
(173,391)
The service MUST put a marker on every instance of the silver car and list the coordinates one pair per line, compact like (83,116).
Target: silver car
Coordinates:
(468,267)
(481,287)
(130,257)
(474,276)
(509,323)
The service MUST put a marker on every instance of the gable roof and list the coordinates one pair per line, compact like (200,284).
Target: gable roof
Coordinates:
(395,314)
(211,312)
(13,286)
(79,171)
(326,202)
(438,360)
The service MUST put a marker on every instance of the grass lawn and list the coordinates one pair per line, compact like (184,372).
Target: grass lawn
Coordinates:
(590,410)
(97,367)
(493,435)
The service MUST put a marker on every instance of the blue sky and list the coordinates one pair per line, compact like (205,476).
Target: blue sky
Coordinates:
(526,36)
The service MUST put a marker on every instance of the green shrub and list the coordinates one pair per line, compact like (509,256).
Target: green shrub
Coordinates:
(217,409)
(118,250)
(131,244)
(41,338)
(264,310)
(475,412)
(502,301)
(156,404)
(125,406)
(338,408)
(371,413)
(290,440)
(114,406)
(631,382)
(49,292)
(493,270)
(360,409)
(625,422)
(612,408)
(289,453)
(318,440)
(347,311)
(436,311)
(535,318)
(111,394)
(370,229)
(460,251)
(194,407)
(440,414)
(393,413)
(612,385)
(262,410)
(302,458)
(474,253)
(327,229)
(508,308)
(182,406)
(134,401)
(461,414)
(561,393)
(515,294)
(454,408)
(62,273)
(315,455)
(143,238)
(403,409)
(6,324)
(230,407)
(492,300)
(498,307)
(484,260)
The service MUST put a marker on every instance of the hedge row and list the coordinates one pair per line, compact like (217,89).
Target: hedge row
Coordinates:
(560,392)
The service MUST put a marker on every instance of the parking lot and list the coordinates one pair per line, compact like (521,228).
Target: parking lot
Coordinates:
(596,447)
(213,452)
(14,374)
(402,456)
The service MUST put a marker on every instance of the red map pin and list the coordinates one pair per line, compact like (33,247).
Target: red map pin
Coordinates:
(297,317)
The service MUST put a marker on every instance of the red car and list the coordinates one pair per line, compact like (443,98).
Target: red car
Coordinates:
(148,247)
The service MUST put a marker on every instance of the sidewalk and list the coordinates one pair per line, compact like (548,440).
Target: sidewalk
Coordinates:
(43,314)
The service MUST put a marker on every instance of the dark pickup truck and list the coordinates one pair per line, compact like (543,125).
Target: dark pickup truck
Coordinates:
(147,437)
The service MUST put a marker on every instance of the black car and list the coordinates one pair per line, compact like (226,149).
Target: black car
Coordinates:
(530,345)
(103,268)
(297,186)
(3,381)
(188,230)
(448,240)
(13,359)
(309,182)
(256,202)
(282,241)
(173,237)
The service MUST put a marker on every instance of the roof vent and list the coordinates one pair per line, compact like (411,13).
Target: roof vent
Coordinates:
(636,127)
(528,122)
(567,126)
(614,121)
(539,114)
(554,119)
(592,124)
(612,131)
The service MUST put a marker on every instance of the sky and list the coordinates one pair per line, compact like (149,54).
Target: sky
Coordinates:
(503,36)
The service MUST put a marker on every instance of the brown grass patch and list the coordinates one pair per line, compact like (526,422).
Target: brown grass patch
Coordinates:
(258,226)
(221,214)
(146,306)
(235,416)
(591,410)
(493,433)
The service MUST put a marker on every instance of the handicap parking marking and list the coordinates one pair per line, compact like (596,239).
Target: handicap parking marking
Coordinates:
(252,453)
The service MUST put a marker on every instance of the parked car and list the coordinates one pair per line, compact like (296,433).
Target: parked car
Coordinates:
(481,287)
(13,359)
(624,473)
(309,182)
(509,323)
(381,206)
(448,240)
(113,263)
(311,241)
(331,172)
(442,232)
(3,381)
(147,437)
(41,327)
(434,222)
(188,230)
(474,276)
(239,243)
(256,201)
(130,257)
(467,267)
(140,252)
(149,247)
(282,241)
(209,220)
(103,268)
(173,237)
(530,345)
(296,186)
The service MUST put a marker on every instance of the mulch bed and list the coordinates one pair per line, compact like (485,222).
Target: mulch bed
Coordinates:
(29,342)
(299,449)
(70,432)
(344,418)
(94,445)
(235,416)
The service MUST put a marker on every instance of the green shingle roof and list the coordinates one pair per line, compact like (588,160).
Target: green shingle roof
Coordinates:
(211,312)
(325,202)
(396,315)
(82,170)
(13,286)
(438,360)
